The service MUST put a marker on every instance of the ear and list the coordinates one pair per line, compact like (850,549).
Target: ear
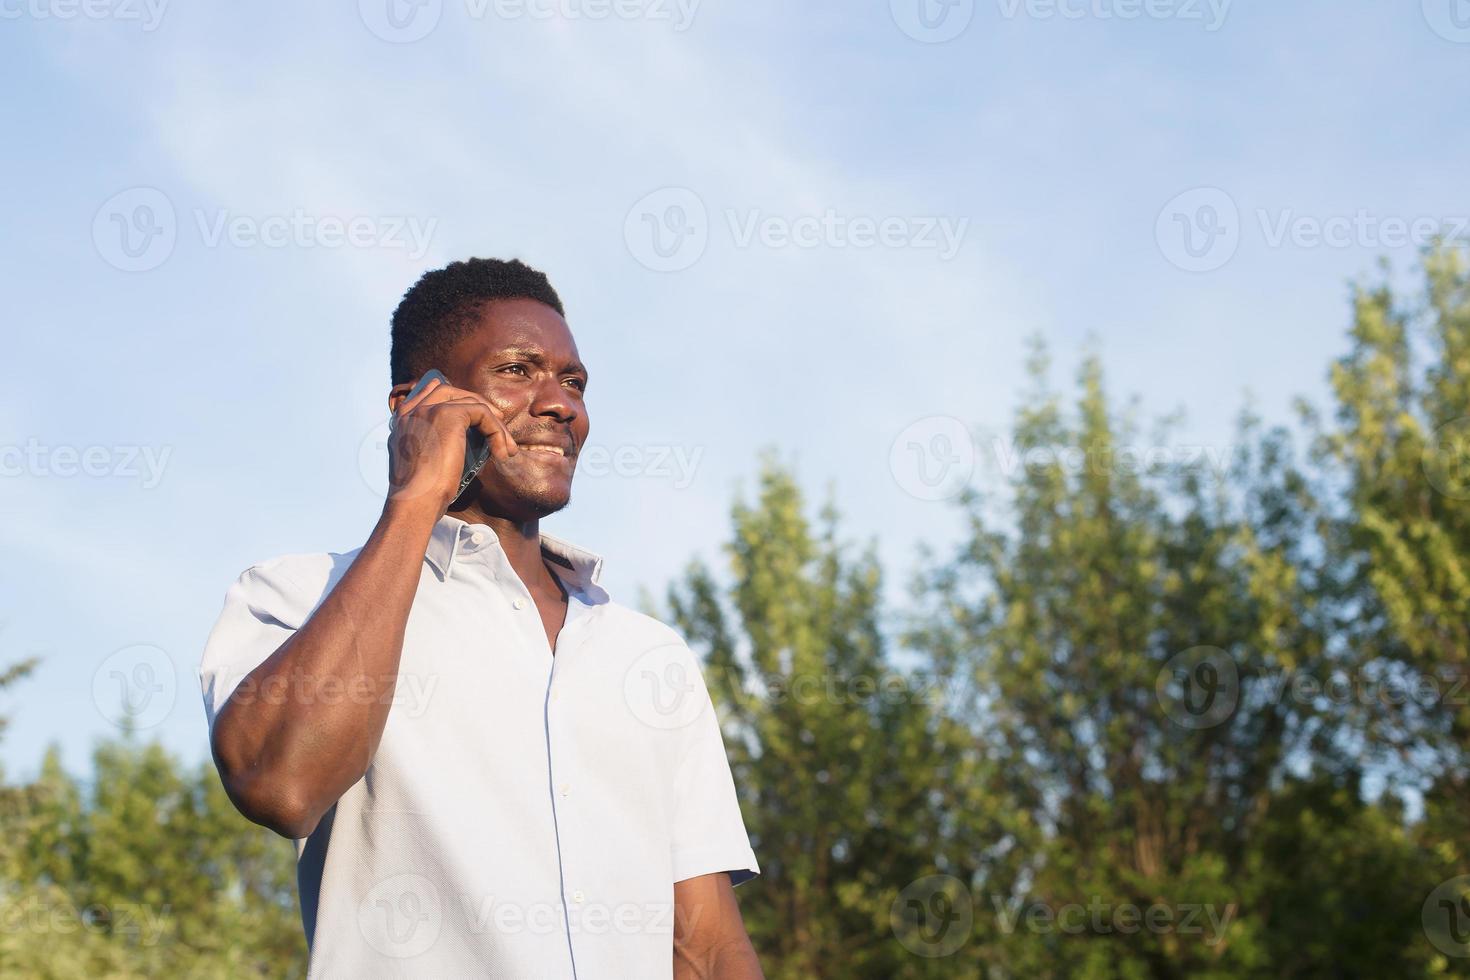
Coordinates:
(397,394)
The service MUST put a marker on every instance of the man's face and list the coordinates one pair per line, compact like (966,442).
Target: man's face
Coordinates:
(521,357)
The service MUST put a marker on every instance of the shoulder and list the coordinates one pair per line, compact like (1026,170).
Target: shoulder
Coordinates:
(639,627)
(292,583)
(636,640)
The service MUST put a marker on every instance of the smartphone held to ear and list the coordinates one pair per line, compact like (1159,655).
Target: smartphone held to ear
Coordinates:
(476,447)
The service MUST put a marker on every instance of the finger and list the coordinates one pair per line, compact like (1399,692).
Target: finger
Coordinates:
(478,413)
(409,404)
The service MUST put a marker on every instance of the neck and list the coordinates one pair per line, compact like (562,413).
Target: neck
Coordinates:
(520,540)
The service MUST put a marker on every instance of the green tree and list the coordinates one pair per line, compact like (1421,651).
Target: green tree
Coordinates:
(854,780)
(146,871)
(1136,632)
(1401,447)
(1402,443)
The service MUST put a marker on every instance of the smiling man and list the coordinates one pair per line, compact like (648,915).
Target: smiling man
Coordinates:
(489,767)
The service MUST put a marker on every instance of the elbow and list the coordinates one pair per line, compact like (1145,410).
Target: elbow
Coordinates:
(275,805)
(272,800)
(284,816)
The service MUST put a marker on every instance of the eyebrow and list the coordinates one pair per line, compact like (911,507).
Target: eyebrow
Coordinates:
(536,357)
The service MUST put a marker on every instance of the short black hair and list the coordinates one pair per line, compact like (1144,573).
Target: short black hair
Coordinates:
(442,306)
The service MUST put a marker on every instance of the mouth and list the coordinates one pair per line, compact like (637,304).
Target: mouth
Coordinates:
(543,449)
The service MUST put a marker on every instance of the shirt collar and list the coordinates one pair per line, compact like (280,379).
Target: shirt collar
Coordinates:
(579,569)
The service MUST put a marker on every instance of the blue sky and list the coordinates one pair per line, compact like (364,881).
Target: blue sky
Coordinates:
(811,226)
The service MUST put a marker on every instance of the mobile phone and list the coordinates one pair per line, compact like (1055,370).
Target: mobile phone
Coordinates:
(476,446)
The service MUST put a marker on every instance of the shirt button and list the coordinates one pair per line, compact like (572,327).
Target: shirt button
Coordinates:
(565,788)
(519,603)
(477,538)
(578,897)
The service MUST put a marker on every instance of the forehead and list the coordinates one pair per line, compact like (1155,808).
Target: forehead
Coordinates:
(517,324)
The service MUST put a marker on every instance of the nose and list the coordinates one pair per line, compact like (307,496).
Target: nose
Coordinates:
(552,399)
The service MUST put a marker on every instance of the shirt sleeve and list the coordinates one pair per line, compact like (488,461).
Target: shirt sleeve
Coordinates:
(709,833)
(263,608)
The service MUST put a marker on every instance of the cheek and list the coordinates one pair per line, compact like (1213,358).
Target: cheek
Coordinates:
(506,402)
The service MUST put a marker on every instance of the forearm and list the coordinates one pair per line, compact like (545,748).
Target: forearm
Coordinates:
(732,960)
(710,941)
(303,726)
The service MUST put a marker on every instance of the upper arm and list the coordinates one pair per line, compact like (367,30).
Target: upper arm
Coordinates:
(708,830)
(262,610)
(709,934)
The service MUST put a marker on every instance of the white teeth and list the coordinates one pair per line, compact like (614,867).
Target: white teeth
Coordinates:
(546,449)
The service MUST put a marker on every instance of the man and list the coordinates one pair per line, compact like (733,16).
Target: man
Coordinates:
(489,768)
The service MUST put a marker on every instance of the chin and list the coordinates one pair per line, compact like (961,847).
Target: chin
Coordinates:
(543,501)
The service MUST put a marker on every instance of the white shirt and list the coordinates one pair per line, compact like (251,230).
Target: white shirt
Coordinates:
(526,815)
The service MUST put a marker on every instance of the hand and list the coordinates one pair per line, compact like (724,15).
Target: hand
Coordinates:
(427,445)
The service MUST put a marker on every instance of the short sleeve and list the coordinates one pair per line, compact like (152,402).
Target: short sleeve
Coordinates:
(262,609)
(708,831)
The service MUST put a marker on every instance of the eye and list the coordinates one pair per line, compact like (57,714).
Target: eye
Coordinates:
(577,383)
(518,368)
